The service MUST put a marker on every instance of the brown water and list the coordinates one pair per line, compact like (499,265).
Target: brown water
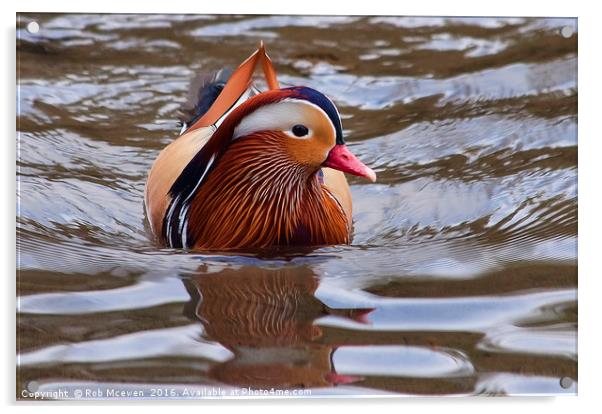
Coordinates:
(462,275)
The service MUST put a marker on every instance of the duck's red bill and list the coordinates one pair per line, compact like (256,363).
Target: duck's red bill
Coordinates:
(340,158)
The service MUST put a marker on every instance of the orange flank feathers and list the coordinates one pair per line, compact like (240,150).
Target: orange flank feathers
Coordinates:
(254,169)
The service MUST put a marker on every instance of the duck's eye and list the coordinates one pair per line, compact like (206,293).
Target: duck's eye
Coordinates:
(300,130)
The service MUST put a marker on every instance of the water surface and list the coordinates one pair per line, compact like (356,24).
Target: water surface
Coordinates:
(462,275)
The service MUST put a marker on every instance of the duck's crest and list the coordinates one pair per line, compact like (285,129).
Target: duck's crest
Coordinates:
(204,91)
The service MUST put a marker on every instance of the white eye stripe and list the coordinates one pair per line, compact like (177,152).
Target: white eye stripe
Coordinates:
(280,116)
(334,130)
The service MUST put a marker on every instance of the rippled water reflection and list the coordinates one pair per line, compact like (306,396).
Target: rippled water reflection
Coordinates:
(462,275)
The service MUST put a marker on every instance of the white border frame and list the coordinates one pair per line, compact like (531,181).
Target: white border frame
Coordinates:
(590,137)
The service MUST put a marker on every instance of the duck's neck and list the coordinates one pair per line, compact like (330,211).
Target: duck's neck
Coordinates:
(258,197)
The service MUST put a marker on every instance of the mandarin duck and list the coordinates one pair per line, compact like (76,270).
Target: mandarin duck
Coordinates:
(254,169)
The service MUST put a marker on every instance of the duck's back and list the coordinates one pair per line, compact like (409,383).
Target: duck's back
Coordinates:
(175,157)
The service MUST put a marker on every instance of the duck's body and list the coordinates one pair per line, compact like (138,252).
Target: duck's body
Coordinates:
(252,171)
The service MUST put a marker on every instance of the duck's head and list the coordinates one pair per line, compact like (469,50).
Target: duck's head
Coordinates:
(301,122)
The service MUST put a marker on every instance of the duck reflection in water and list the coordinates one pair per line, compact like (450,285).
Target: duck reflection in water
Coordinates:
(265,317)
